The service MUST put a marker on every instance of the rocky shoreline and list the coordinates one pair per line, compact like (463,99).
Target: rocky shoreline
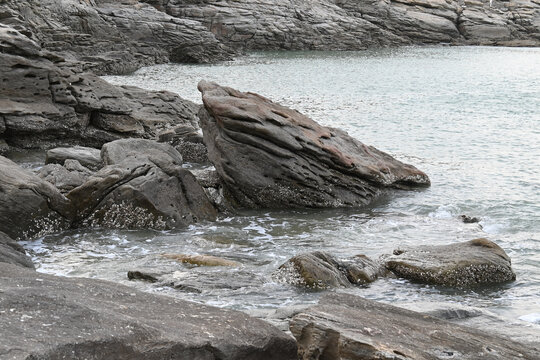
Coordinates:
(115,160)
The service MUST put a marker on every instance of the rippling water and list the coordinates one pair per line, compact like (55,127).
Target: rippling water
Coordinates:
(469,117)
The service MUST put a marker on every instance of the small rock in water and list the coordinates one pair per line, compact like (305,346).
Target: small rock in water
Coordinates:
(465,264)
(469,219)
(137,275)
(201,260)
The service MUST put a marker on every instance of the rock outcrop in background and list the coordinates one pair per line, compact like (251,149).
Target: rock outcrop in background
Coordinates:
(354,24)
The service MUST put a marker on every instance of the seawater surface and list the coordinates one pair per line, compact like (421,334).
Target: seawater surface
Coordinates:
(467,116)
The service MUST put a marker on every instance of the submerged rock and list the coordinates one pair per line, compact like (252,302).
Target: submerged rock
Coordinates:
(13,253)
(80,318)
(29,205)
(470,263)
(272,156)
(321,270)
(201,260)
(344,326)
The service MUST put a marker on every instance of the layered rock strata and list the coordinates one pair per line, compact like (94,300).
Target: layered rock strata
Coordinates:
(353,25)
(344,326)
(271,156)
(46,101)
(112,37)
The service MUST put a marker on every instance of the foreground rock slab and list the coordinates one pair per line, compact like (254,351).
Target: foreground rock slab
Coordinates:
(344,326)
(271,156)
(470,263)
(48,317)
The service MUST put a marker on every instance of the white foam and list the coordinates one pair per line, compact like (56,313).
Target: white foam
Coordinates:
(532,318)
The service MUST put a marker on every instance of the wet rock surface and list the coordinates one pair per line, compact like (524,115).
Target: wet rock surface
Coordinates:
(46,101)
(13,253)
(345,326)
(201,260)
(322,270)
(85,318)
(29,205)
(470,263)
(142,186)
(274,157)
(352,25)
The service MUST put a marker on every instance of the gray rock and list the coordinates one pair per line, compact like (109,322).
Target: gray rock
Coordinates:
(344,326)
(47,102)
(272,156)
(28,204)
(65,178)
(143,186)
(84,318)
(215,189)
(88,157)
(113,36)
(465,264)
(321,270)
(13,253)
(353,25)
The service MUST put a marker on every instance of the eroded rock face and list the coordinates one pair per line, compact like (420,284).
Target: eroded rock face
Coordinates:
(470,263)
(272,156)
(344,326)
(65,177)
(28,204)
(84,318)
(352,24)
(143,185)
(322,270)
(112,36)
(13,253)
(46,101)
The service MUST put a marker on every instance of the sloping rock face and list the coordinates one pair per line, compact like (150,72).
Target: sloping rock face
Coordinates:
(52,317)
(46,101)
(142,186)
(470,263)
(28,204)
(348,327)
(272,156)
(13,253)
(352,24)
(112,36)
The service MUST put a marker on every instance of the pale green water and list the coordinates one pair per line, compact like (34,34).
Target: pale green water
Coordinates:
(469,117)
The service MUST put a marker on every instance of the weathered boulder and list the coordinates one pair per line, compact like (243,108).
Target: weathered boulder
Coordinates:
(344,326)
(465,264)
(28,204)
(112,36)
(47,102)
(272,156)
(13,253)
(49,317)
(65,178)
(142,186)
(215,189)
(352,25)
(321,270)
(87,157)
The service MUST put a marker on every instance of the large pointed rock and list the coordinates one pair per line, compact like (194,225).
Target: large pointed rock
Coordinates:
(49,317)
(348,327)
(272,156)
